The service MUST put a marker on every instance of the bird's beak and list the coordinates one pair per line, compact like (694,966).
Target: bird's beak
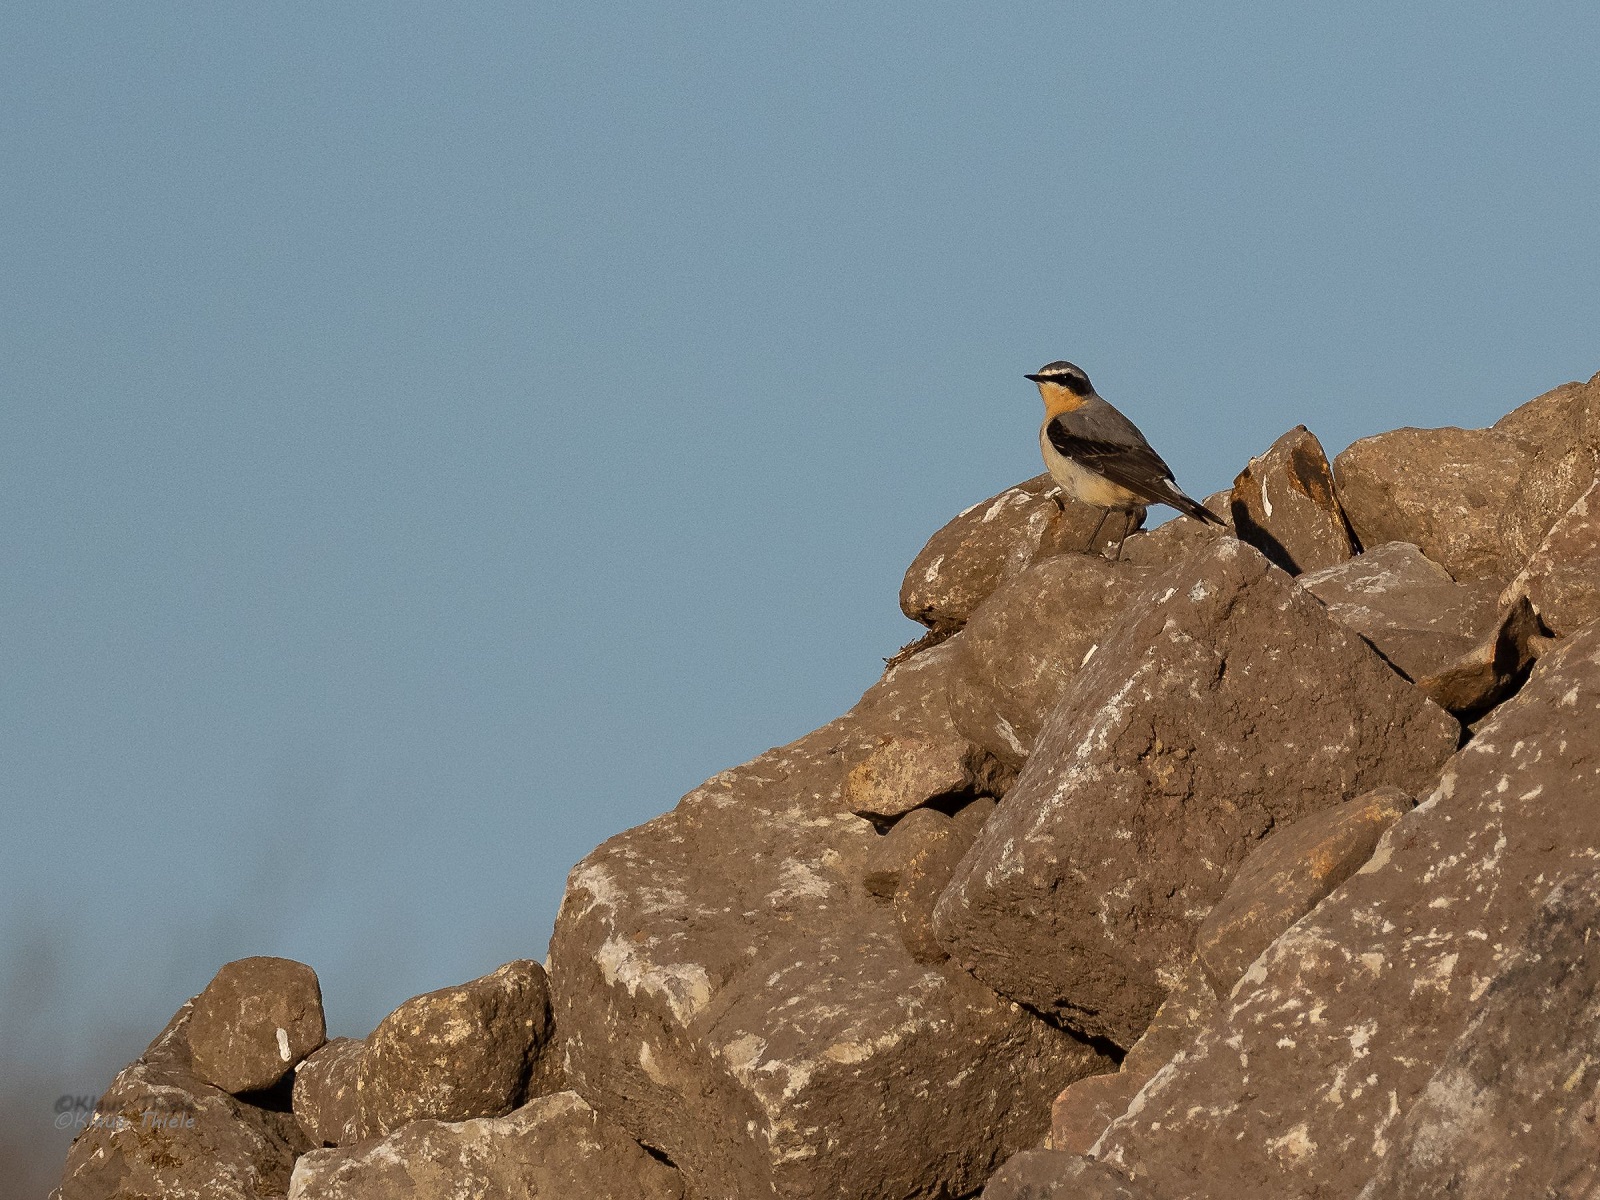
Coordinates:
(1035,378)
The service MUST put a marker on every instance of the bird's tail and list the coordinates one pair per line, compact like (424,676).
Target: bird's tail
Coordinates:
(1190,507)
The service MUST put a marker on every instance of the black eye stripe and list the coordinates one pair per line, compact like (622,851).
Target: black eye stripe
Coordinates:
(1076,384)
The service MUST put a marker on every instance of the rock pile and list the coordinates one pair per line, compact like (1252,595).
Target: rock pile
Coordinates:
(1262,862)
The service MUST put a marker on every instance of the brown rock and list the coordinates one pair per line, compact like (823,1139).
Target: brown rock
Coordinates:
(991,542)
(325,1093)
(1052,1175)
(1407,607)
(1182,742)
(926,873)
(1084,1109)
(887,857)
(474,1050)
(552,1148)
(1173,541)
(1022,647)
(1283,504)
(1286,877)
(1512,1109)
(729,993)
(1335,1031)
(1453,493)
(1560,430)
(904,773)
(1562,579)
(1493,669)
(255,1020)
(161,1131)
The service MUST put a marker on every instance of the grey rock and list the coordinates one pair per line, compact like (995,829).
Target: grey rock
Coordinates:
(254,1021)
(325,1095)
(1283,504)
(1169,543)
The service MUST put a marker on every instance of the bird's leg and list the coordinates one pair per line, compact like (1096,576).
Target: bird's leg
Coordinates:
(1095,536)
(1127,519)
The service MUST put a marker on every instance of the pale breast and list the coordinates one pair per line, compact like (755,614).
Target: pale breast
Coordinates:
(1083,484)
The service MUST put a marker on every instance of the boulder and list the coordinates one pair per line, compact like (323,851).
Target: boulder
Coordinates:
(1182,742)
(1054,1175)
(1333,1034)
(1176,539)
(1562,579)
(1283,504)
(552,1148)
(886,859)
(927,872)
(1022,647)
(1560,431)
(254,1021)
(1453,493)
(1494,668)
(991,542)
(904,773)
(160,1130)
(473,1050)
(1512,1109)
(1286,877)
(325,1097)
(729,993)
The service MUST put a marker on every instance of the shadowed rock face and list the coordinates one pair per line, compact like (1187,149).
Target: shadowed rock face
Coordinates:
(1184,740)
(1335,1031)
(1283,504)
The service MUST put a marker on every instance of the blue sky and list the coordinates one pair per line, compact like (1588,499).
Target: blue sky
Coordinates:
(437,437)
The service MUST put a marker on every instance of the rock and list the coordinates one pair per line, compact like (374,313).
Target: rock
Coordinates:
(1453,493)
(1175,540)
(729,993)
(887,857)
(1082,1111)
(1493,669)
(1286,877)
(991,542)
(159,1130)
(1052,1175)
(550,1149)
(254,1021)
(926,873)
(1560,430)
(1022,647)
(324,1096)
(904,773)
(1562,579)
(1407,607)
(1512,1109)
(1283,504)
(1335,1031)
(474,1050)
(1182,742)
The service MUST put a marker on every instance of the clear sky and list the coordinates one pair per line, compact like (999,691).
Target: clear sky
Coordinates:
(437,436)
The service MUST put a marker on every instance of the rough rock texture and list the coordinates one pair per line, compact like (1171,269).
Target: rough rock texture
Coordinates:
(1053,1175)
(1175,540)
(1407,606)
(254,1021)
(554,1148)
(1182,743)
(886,859)
(1335,1031)
(989,543)
(1283,504)
(907,772)
(1513,1109)
(1560,431)
(473,1050)
(730,993)
(1493,669)
(1023,646)
(1082,1111)
(1287,876)
(1562,579)
(926,873)
(324,1096)
(161,1131)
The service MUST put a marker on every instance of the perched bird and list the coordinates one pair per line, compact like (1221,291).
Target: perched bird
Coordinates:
(1098,456)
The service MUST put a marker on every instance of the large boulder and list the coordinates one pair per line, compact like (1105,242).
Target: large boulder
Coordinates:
(990,542)
(1024,645)
(325,1099)
(472,1050)
(1512,1109)
(553,1148)
(730,992)
(1562,579)
(160,1130)
(1335,1031)
(254,1021)
(1180,744)
(1283,504)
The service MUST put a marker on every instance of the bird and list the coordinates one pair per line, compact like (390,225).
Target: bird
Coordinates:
(1097,455)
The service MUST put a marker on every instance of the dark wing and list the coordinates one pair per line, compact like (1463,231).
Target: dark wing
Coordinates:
(1134,466)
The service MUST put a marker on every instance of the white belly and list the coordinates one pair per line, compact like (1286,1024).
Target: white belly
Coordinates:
(1083,484)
